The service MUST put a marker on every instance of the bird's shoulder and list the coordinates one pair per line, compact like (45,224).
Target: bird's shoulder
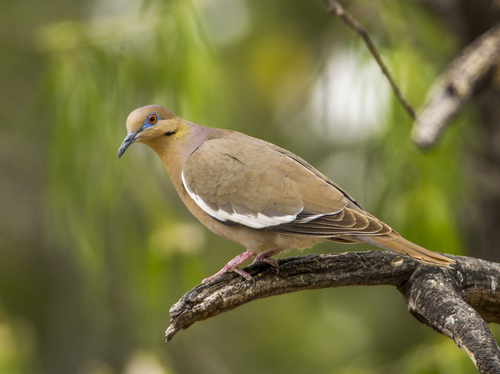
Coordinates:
(244,147)
(261,155)
(228,153)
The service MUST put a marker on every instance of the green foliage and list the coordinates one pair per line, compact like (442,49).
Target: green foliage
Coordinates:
(118,217)
(122,248)
(421,188)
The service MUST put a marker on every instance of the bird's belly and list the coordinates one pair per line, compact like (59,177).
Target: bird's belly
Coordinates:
(259,241)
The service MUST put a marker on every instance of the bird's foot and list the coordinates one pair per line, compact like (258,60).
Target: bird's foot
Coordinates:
(233,265)
(243,273)
(265,257)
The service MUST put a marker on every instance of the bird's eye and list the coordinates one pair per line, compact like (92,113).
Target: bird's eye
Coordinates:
(152,118)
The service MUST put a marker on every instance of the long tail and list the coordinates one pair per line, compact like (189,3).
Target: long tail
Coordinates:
(396,243)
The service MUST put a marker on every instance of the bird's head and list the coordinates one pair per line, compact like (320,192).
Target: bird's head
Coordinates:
(151,125)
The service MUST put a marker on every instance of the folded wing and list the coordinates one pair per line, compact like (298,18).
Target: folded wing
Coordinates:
(241,180)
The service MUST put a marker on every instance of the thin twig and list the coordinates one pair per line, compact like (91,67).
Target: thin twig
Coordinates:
(334,6)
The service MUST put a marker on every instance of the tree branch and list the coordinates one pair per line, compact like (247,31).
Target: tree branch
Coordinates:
(334,6)
(451,301)
(436,299)
(464,77)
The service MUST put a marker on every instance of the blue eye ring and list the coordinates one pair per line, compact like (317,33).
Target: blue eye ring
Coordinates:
(152,119)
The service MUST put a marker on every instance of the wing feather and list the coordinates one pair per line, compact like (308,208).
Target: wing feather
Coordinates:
(241,180)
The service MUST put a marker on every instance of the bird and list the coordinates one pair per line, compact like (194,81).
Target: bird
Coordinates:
(257,194)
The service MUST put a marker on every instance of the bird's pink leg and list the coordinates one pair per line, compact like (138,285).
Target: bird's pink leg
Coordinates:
(233,266)
(265,257)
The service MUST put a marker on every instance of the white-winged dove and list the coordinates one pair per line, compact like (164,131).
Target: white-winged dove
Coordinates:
(258,194)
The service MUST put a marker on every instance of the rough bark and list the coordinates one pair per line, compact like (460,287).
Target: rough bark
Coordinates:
(456,302)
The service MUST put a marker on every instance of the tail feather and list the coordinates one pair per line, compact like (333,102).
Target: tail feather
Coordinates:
(396,243)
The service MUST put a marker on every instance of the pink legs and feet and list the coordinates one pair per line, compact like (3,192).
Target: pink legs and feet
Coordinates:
(233,265)
(265,257)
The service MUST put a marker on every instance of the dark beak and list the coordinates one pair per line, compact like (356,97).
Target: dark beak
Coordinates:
(129,139)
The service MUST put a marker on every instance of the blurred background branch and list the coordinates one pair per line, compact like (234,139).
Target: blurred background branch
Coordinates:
(475,68)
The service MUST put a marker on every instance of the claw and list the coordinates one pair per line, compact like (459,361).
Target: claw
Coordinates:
(233,265)
(243,273)
(265,257)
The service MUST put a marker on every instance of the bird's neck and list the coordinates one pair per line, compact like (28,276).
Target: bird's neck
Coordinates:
(174,152)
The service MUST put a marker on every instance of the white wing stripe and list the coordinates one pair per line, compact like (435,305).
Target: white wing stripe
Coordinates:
(257,222)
